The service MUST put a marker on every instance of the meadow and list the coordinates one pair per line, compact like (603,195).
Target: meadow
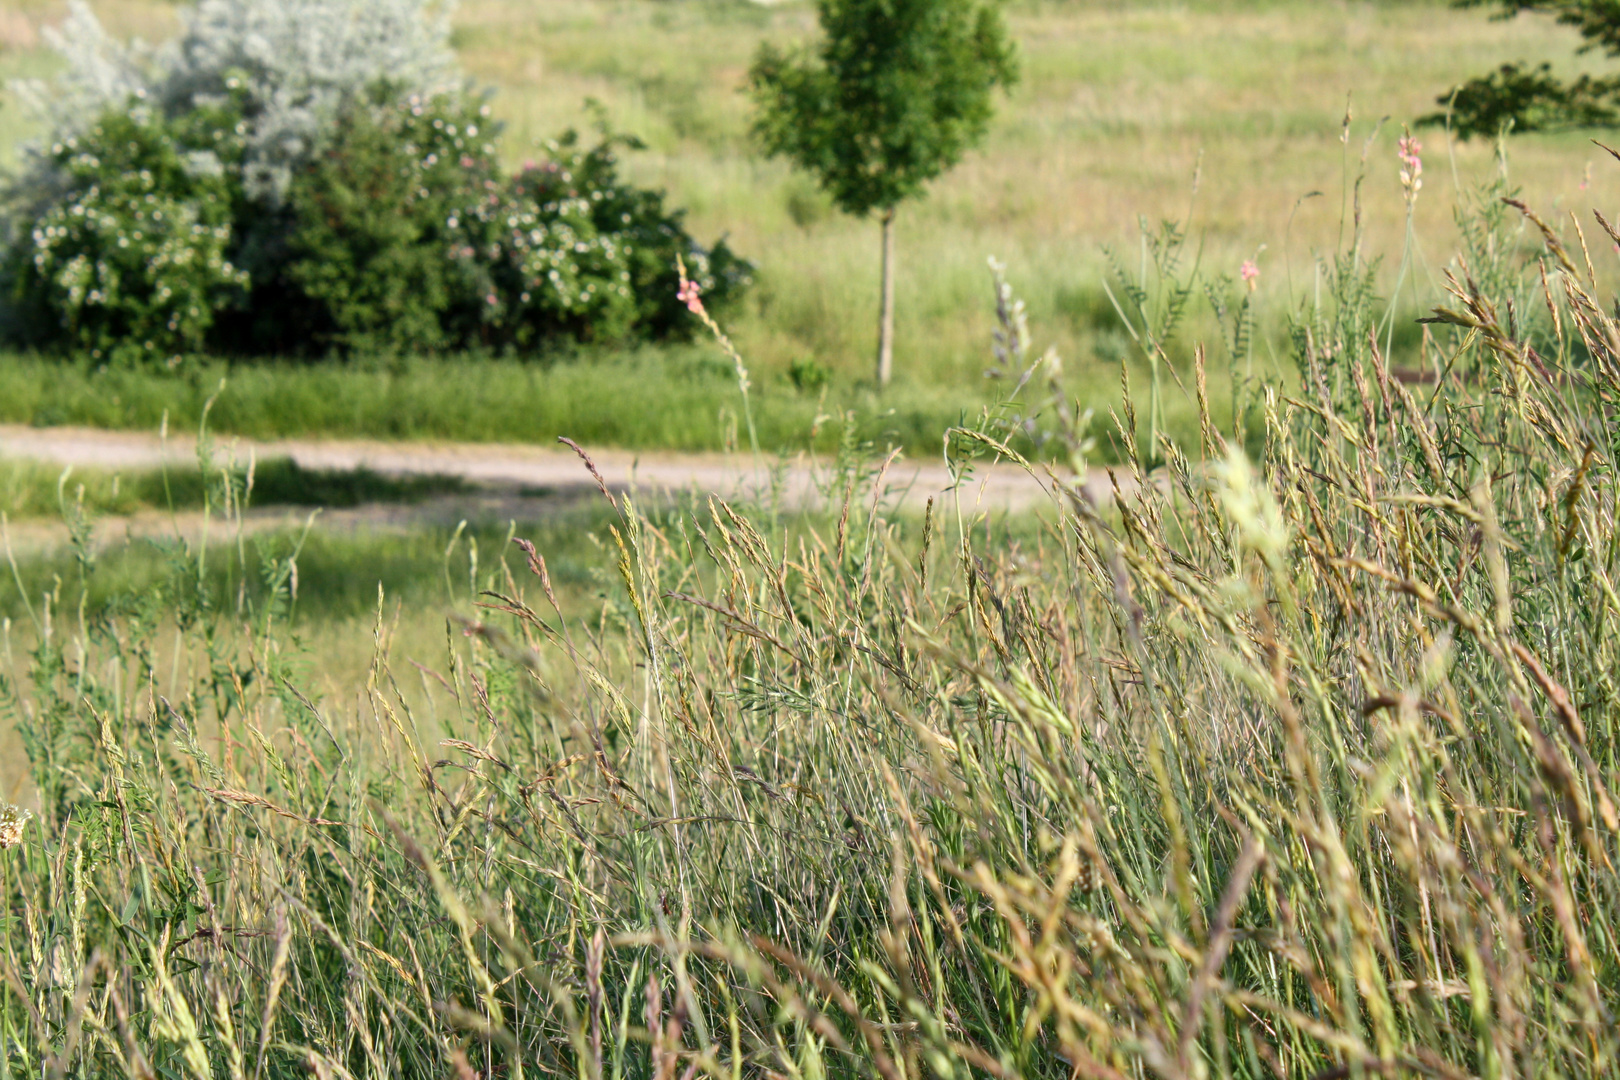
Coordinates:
(1120,107)
(1293,758)
(1299,767)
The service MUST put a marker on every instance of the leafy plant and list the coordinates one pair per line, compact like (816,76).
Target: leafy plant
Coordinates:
(131,258)
(1520,98)
(893,95)
(1152,304)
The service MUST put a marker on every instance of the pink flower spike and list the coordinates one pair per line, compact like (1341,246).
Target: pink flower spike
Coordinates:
(691,296)
(1408,150)
(1249,273)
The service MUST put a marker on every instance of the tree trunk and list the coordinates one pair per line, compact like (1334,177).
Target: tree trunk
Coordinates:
(885,358)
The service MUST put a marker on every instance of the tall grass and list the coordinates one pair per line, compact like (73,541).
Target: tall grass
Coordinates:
(1297,767)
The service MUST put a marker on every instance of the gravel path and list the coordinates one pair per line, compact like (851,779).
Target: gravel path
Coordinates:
(505,480)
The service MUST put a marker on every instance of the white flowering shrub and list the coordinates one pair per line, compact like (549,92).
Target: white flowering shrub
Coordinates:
(305,176)
(131,261)
(587,251)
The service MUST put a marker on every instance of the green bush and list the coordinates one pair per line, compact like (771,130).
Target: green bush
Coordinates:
(809,374)
(408,238)
(373,255)
(131,258)
(402,235)
(617,241)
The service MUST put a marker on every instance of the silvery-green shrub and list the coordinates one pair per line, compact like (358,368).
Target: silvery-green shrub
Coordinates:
(289,64)
(296,61)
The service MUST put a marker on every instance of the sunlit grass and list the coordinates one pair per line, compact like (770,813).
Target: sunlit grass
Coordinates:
(1298,765)
(1119,106)
(651,400)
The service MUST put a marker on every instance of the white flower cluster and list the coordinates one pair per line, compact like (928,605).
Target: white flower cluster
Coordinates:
(559,252)
(290,62)
(12,820)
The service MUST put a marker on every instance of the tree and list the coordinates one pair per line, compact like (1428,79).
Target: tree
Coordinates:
(1521,98)
(893,95)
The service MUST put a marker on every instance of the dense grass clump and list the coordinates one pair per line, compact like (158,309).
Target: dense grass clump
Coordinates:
(1297,767)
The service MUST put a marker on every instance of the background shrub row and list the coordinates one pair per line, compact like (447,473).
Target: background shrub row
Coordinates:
(140,238)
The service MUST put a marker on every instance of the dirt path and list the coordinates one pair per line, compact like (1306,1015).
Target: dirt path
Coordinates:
(505,481)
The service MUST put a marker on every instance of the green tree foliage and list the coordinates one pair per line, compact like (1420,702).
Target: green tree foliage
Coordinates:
(1517,97)
(892,96)
(1598,21)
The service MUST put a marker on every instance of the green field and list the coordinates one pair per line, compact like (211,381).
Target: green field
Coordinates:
(1297,758)
(1302,768)
(1120,104)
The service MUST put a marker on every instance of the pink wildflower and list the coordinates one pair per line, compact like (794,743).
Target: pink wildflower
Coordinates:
(1250,273)
(691,296)
(1411,165)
